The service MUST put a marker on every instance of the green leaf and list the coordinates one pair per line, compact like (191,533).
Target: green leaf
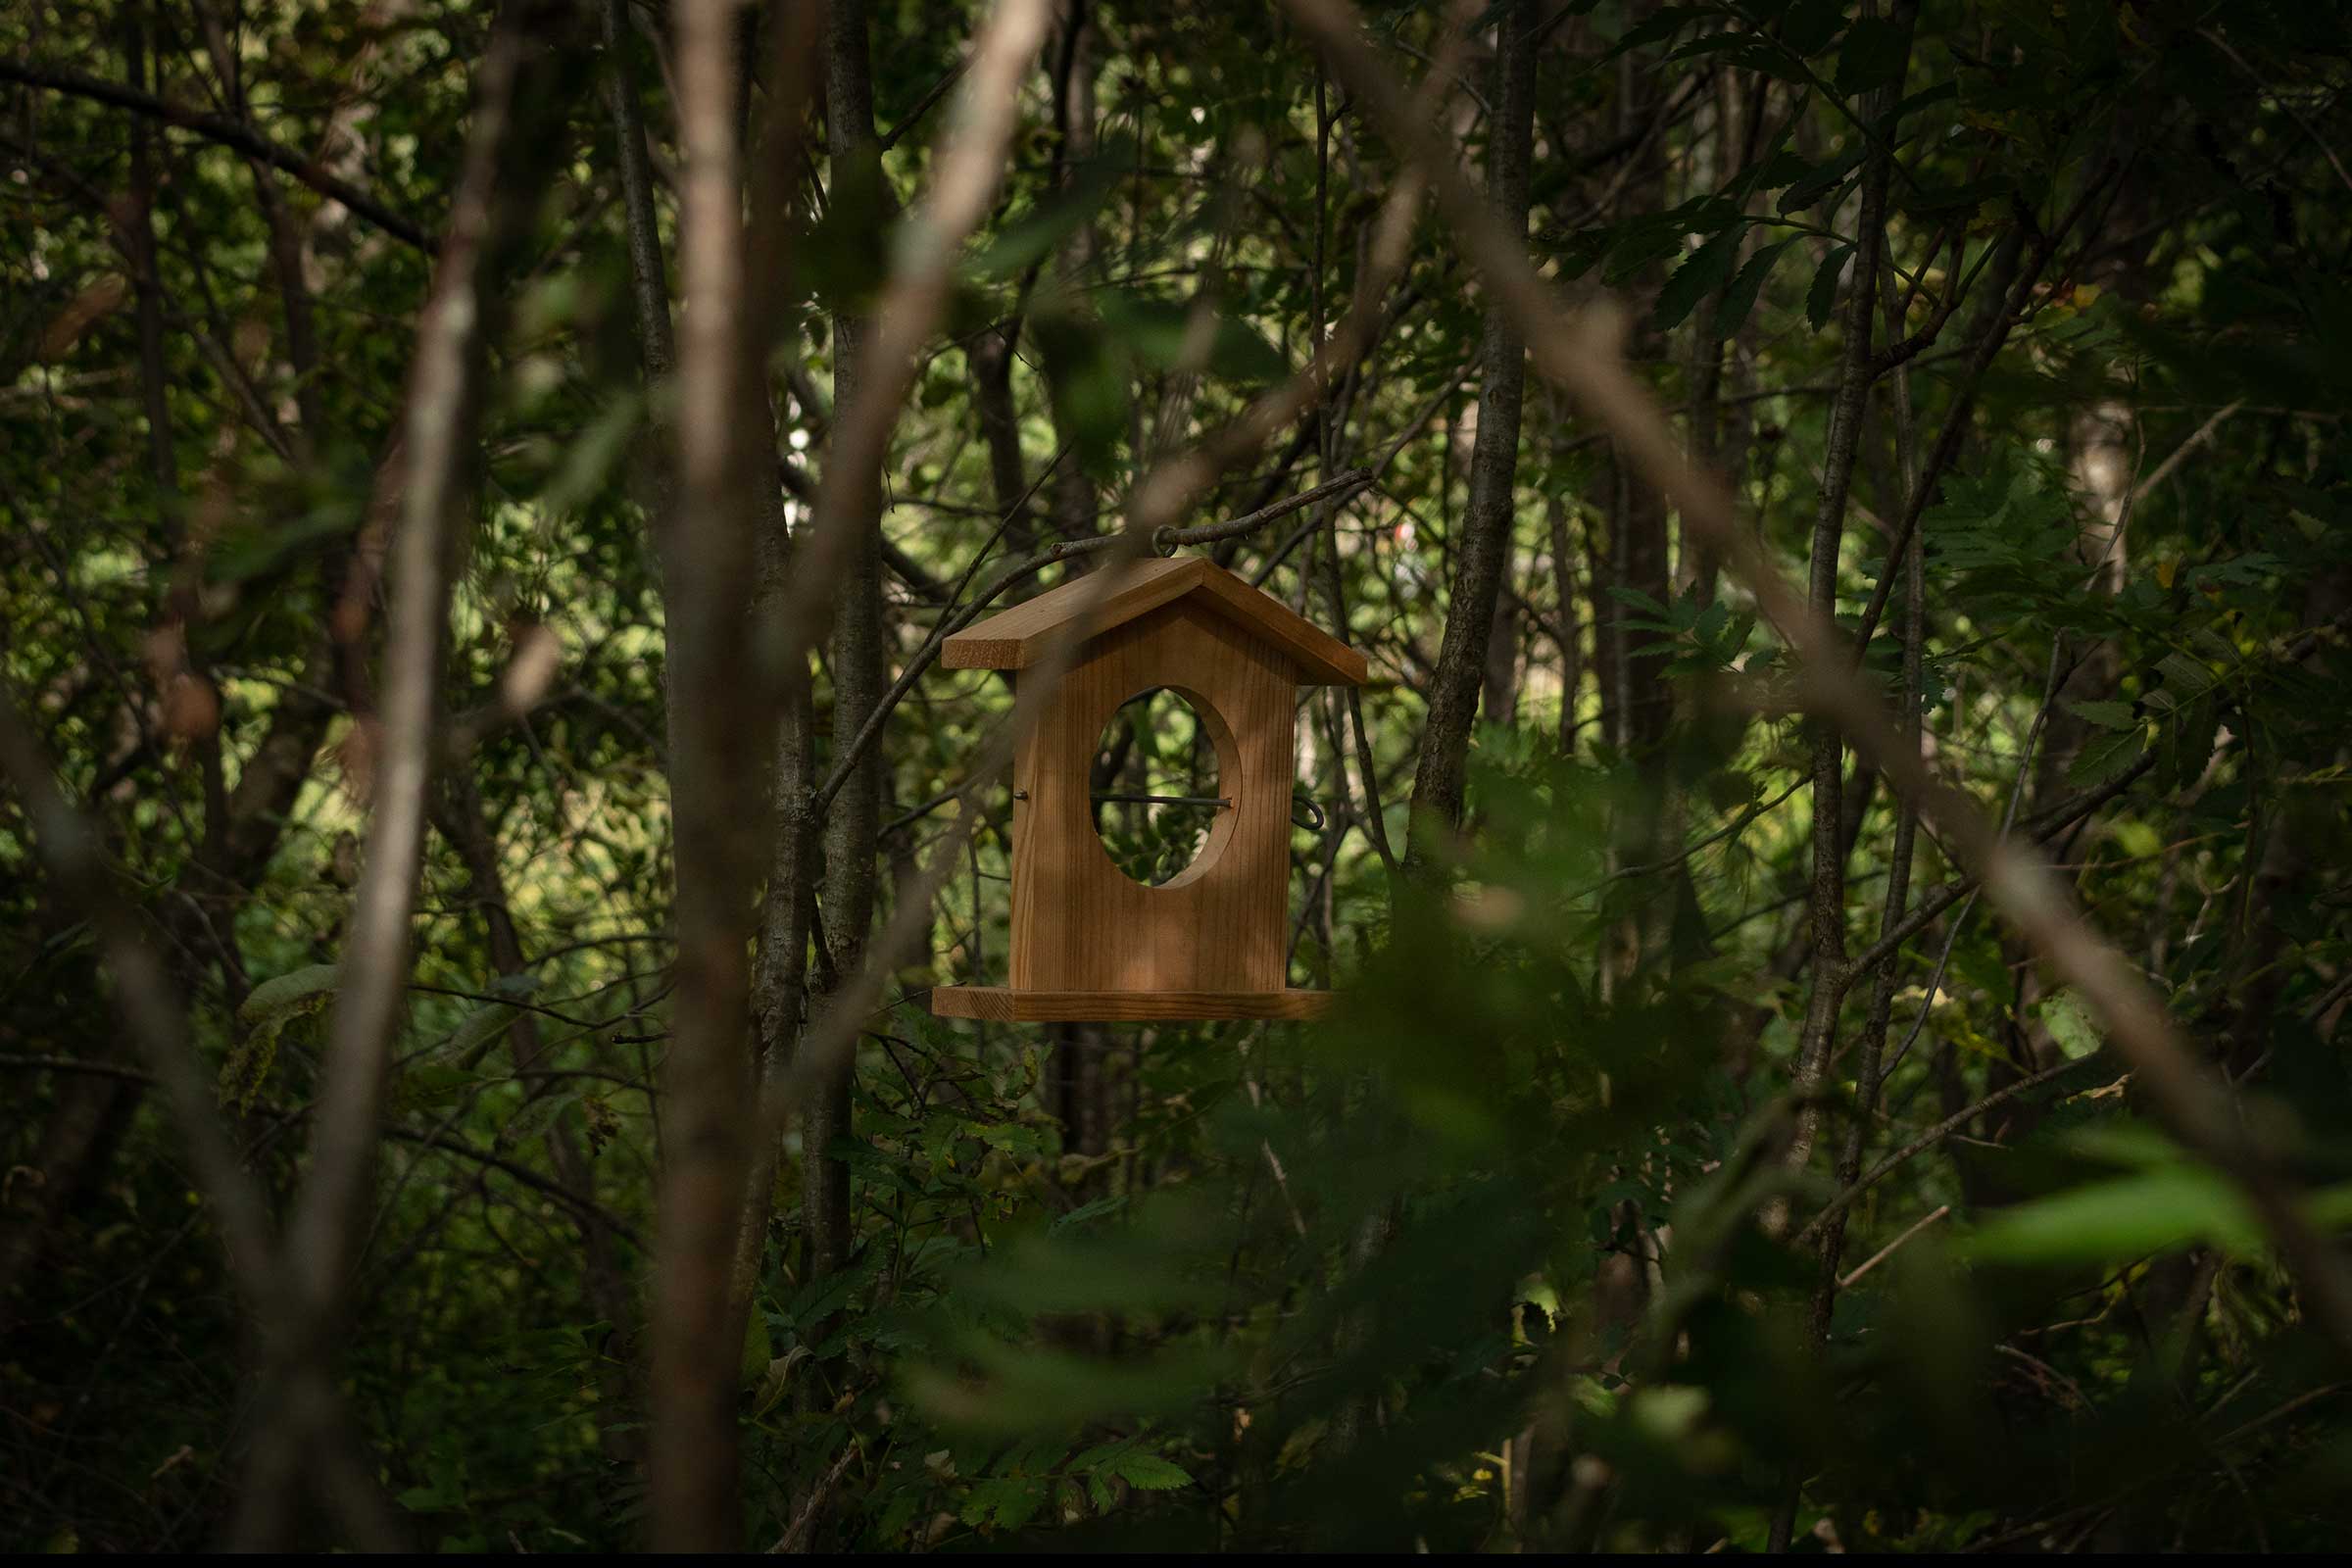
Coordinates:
(2111,1221)
(429,1084)
(471,1040)
(758,1348)
(2185,677)
(1007,1503)
(1822,297)
(1032,236)
(1930,200)
(1810,25)
(589,460)
(2134,1145)
(1165,334)
(2330,1209)
(899,1514)
(1740,299)
(1147,1472)
(1696,278)
(1750,52)
(1087,381)
(1775,171)
(1084,1214)
(1661,25)
(2107,716)
(1152,330)
(2188,739)
(2069,1022)
(1980,965)
(1822,181)
(1872,55)
(283,997)
(269,1008)
(2105,757)
(1240,353)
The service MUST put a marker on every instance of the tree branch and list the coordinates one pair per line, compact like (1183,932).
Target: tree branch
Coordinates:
(227,133)
(1580,352)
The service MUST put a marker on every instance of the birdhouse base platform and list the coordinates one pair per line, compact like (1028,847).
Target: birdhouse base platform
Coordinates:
(1004,1004)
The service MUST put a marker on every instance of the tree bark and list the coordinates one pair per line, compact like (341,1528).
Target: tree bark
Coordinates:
(1073,488)
(1825,900)
(715,766)
(1441,775)
(852,826)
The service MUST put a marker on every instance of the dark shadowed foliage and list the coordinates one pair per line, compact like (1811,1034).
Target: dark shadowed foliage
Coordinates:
(1835,879)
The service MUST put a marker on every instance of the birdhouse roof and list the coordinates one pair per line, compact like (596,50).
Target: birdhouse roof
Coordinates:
(1019,637)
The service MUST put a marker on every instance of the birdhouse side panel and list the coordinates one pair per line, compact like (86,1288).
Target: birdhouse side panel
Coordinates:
(1079,923)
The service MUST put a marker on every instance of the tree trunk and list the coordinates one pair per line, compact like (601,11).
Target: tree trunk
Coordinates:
(851,827)
(1441,775)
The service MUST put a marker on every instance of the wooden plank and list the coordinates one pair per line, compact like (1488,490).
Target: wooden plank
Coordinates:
(1219,926)
(1322,658)
(1016,638)
(1004,1004)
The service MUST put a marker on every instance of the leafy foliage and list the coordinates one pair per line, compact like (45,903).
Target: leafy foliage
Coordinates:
(1522,1250)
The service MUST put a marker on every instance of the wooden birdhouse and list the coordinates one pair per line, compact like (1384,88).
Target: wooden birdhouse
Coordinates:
(1089,941)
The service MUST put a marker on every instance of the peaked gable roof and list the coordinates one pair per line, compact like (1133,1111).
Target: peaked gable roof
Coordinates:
(1016,638)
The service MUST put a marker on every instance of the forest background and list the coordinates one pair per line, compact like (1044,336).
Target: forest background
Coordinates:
(1836,880)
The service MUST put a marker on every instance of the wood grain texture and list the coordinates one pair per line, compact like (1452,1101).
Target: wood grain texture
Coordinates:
(1322,658)
(1019,637)
(1079,923)
(1088,942)
(1004,1004)
(1016,638)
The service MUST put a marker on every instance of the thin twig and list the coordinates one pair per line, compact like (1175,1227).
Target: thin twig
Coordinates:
(1343,487)
(1581,353)
(1890,1250)
(1929,1139)
(790,1539)
(229,133)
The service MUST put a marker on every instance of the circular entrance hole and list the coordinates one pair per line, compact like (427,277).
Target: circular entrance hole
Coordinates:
(1154,782)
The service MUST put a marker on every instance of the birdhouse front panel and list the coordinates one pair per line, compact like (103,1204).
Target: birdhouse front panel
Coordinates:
(1213,942)
(1079,923)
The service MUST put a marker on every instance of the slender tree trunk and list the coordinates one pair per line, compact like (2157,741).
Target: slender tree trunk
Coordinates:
(852,826)
(1073,48)
(92,1108)
(715,770)
(1825,900)
(1639,556)
(1602,609)
(1640,559)
(1499,687)
(1872,1047)
(1739,103)
(992,356)
(1441,775)
(1566,633)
